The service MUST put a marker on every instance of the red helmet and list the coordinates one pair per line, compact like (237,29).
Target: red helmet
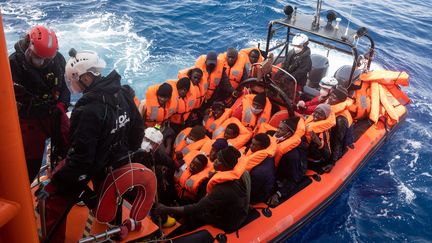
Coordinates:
(43,42)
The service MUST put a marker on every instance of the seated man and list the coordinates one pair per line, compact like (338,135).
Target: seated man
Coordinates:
(226,204)
(187,140)
(326,84)
(341,134)
(199,83)
(159,104)
(215,116)
(290,159)
(298,61)
(185,97)
(212,147)
(261,166)
(191,178)
(235,66)
(318,127)
(234,131)
(213,72)
(254,56)
(254,110)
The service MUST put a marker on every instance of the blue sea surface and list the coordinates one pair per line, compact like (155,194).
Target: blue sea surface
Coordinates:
(390,200)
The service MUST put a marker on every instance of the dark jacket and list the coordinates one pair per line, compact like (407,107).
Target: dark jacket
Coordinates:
(298,65)
(225,207)
(262,180)
(44,86)
(105,125)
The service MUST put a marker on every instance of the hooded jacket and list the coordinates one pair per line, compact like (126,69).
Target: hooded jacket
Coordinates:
(105,125)
(44,86)
(299,65)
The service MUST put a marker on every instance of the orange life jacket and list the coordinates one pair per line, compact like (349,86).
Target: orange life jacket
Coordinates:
(188,184)
(362,105)
(230,175)
(184,105)
(386,77)
(212,79)
(249,119)
(234,73)
(154,113)
(244,135)
(249,68)
(211,124)
(136,101)
(319,128)
(200,89)
(180,144)
(206,148)
(342,109)
(255,158)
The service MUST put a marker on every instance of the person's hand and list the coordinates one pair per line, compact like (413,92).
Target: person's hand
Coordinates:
(316,139)
(235,93)
(161,209)
(274,200)
(45,190)
(301,105)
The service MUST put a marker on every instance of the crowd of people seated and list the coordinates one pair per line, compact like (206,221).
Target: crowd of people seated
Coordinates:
(222,129)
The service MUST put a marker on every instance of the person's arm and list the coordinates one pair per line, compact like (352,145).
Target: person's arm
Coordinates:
(225,85)
(64,96)
(245,75)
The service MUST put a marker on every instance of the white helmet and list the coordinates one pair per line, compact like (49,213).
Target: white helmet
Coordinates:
(328,82)
(299,40)
(152,139)
(80,63)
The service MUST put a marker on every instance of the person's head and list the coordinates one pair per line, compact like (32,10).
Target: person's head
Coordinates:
(326,84)
(286,128)
(258,103)
(198,164)
(217,146)
(322,111)
(42,46)
(337,95)
(232,55)
(195,75)
(82,69)
(197,133)
(231,131)
(152,139)
(226,159)
(259,142)
(211,60)
(299,41)
(254,56)
(183,86)
(218,108)
(164,93)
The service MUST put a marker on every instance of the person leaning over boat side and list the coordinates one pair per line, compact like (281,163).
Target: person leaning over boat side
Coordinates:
(326,84)
(342,134)
(41,94)
(234,131)
(298,61)
(105,125)
(215,116)
(290,158)
(226,204)
(254,110)
(318,127)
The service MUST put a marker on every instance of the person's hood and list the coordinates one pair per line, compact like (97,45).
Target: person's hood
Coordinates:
(21,46)
(109,84)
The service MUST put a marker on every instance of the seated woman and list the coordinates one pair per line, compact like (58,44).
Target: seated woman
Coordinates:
(191,178)
(260,164)
(318,127)
(215,116)
(226,204)
(189,139)
(254,110)
(290,159)
(234,131)
(326,84)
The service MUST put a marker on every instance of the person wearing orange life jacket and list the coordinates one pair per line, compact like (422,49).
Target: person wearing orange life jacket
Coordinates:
(326,84)
(191,178)
(200,85)
(185,97)
(213,72)
(159,104)
(187,140)
(254,110)
(318,127)
(254,56)
(226,204)
(215,116)
(261,166)
(290,159)
(342,134)
(234,131)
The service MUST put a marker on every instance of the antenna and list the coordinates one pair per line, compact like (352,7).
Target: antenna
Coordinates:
(349,19)
(317,16)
